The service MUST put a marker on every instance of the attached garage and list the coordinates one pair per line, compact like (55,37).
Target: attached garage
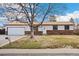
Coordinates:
(16,31)
(15,28)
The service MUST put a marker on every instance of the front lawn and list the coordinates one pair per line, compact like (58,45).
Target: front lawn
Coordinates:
(46,41)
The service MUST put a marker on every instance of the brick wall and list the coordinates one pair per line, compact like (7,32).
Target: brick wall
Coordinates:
(60,32)
(36,32)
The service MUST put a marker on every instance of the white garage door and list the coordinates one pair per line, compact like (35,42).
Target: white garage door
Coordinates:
(16,31)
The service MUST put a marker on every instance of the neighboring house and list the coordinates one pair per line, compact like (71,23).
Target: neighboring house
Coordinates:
(3,20)
(2,31)
(57,18)
(17,28)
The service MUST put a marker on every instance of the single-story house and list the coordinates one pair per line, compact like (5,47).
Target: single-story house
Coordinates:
(17,28)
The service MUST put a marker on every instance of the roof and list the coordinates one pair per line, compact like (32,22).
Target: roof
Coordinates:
(58,23)
(17,23)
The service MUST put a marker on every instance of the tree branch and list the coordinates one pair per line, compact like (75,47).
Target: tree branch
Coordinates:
(47,11)
(25,11)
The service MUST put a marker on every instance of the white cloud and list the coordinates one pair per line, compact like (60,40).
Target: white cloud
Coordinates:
(67,17)
(74,15)
(76,12)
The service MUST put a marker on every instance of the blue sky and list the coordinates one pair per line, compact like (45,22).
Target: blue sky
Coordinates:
(71,8)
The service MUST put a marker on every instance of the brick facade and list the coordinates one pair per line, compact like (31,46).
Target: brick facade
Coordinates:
(60,32)
(36,32)
(53,32)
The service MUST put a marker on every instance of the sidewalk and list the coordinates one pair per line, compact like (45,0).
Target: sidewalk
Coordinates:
(4,41)
(39,52)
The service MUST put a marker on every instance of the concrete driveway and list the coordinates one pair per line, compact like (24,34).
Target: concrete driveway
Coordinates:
(4,41)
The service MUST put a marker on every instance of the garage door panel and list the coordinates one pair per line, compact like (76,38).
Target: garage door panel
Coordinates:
(16,31)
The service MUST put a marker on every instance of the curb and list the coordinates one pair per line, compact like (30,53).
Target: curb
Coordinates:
(39,52)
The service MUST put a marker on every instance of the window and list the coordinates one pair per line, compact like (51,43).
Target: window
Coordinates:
(66,27)
(55,27)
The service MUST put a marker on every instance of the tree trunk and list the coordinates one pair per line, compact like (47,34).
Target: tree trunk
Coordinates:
(32,32)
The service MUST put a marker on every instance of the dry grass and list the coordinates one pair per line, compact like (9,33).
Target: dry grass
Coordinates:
(46,41)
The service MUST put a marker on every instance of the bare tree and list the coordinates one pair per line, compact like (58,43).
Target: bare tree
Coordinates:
(72,20)
(29,13)
(75,22)
(33,13)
